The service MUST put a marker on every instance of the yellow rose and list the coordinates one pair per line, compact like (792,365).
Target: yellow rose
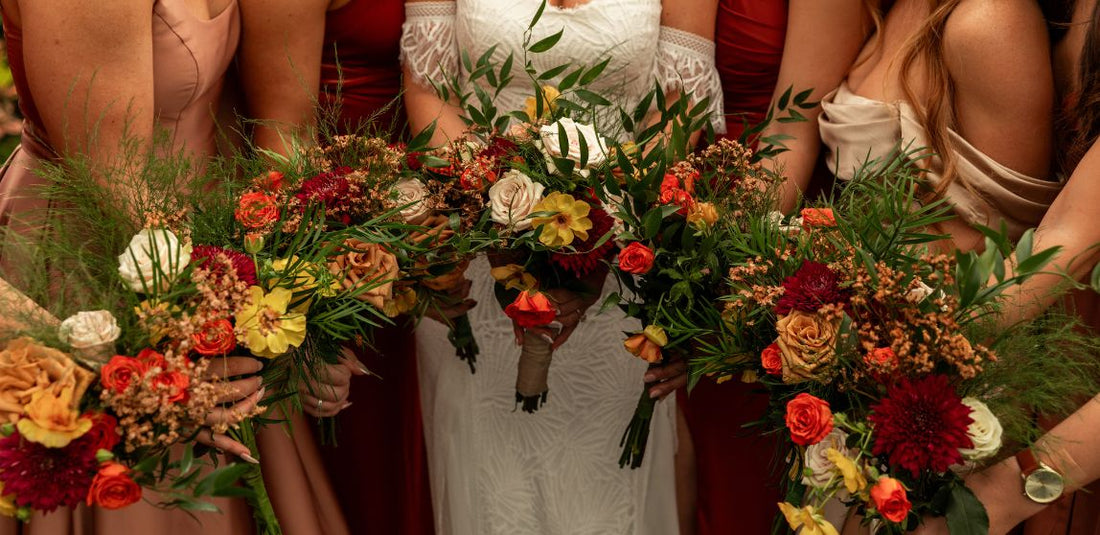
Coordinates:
(854,480)
(27,367)
(703,215)
(549,95)
(807,345)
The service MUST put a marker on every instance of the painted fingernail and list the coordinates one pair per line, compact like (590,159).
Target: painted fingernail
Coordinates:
(249,458)
(546,338)
(363,368)
(649,378)
(555,324)
(653,394)
(345,405)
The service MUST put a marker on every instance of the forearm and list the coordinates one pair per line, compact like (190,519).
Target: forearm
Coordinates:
(424,106)
(797,163)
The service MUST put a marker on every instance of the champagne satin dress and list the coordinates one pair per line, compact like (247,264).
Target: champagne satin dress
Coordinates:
(191,57)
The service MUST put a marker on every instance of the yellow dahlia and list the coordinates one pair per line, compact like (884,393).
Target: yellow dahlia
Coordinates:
(568,218)
(52,419)
(265,327)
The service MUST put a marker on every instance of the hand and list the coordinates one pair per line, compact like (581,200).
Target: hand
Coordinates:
(571,308)
(326,394)
(245,394)
(455,304)
(932,526)
(668,378)
(437,230)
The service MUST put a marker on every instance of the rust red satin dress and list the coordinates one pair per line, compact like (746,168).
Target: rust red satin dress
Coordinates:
(737,489)
(378,465)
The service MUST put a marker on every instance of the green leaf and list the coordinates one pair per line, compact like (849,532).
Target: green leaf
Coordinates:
(420,141)
(784,99)
(594,72)
(965,514)
(570,79)
(592,98)
(546,43)
(538,15)
(1024,245)
(609,302)
(1096,278)
(554,72)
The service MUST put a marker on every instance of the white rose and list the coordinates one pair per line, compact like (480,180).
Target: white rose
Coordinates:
(412,194)
(551,143)
(819,469)
(89,328)
(153,259)
(985,431)
(512,198)
(775,218)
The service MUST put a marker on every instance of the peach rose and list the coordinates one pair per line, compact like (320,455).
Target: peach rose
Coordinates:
(27,367)
(807,343)
(367,268)
(890,499)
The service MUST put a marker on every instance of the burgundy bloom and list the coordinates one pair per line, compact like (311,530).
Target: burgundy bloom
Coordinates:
(102,436)
(497,153)
(46,478)
(811,287)
(587,259)
(412,160)
(203,256)
(330,189)
(921,425)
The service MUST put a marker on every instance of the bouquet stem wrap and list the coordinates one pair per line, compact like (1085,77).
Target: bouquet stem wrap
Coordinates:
(636,436)
(461,336)
(262,511)
(534,368)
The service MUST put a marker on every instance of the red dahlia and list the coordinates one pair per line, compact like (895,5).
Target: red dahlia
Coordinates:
(921,425)
(46,478)
(204,256)
(811,287)
(330,189)
(588,256)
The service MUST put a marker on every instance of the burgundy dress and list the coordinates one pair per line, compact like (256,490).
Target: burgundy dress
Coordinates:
(737,471)
(378,465)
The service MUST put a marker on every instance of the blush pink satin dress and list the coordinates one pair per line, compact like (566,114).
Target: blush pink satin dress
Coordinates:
(191,57)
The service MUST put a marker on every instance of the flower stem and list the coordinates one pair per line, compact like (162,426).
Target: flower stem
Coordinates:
(262,511)
(636,437)
(461,335)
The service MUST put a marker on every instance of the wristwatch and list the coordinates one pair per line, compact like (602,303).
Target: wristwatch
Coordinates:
(1041,483)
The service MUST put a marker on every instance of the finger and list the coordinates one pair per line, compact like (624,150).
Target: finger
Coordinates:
(566,332)
(660,390)
(233,366)
(519,332)
(319,408)
(240,389)
(223,443)
(544,332)
(666,372)
(328,393)
(350,360)
(331,375)
(236,413)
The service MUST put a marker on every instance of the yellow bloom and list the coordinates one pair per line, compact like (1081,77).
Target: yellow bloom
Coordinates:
(854,480)
(549,95)
(656,335)
(811,522)
(402,302)
(52,420)
(513,277)
(155,316)
(265,327)
(568,219)
(703,215)
(7,503)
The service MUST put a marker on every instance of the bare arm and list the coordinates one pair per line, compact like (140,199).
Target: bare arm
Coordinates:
(422,103)
(280,60)
(696,17)
(823,39)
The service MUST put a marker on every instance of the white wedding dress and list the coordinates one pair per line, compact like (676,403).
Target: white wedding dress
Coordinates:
(495,469)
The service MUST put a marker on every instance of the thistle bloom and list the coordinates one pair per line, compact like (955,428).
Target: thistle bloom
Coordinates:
(568,219)
(266,328)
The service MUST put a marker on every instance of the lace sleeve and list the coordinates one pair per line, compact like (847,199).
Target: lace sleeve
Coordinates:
(685,62)
(428,47)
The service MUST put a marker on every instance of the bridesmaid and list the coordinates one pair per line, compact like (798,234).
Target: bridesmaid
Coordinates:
(762,48)
(344,55)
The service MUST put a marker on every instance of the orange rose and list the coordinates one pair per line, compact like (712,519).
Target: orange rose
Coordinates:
(152,359)
(531,309)
(215,338)
(647,344)
(636,259)
(257,210)
(173,385)
(272,181)
(772,360)
(890,499)
(881,357)
(120,371)
(817,217)
(809,419)
(113,488)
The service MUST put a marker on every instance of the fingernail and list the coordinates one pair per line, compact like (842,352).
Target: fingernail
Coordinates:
(654,394)
(345,405)
(555,324)
(546,338)
(363,368)
(249,458)
(649,378)
(519,341)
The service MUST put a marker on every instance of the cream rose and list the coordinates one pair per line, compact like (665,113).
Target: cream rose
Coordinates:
(551,142)
(153,259)
(412,194)
(807,345)
(819,468)
(91,334)
(985,431)
(512,198)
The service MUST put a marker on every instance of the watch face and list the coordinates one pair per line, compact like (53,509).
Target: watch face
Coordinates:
(1044,485)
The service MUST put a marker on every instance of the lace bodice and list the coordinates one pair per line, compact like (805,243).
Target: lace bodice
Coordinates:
(627,31)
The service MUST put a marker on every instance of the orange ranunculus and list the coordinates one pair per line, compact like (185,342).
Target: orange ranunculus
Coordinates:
(120,371)
(817,217)
(772,360)
(809,419)
(636,258)
(174,386)
(531,309)
(272,181)
(881,357)
(647,344)
(890,499)
(113,488)
(257,210)
(215,338)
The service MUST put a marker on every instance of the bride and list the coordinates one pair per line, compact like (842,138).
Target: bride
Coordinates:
(494,469)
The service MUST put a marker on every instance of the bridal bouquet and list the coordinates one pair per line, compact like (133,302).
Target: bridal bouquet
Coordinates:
(886,370)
